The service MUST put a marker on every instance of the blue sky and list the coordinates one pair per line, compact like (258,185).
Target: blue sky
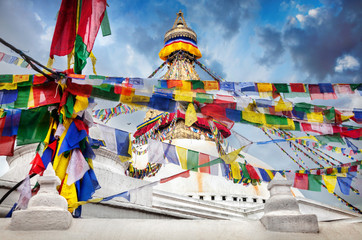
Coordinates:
(258,41)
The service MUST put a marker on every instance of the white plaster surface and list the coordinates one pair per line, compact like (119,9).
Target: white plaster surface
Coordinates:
(180,229)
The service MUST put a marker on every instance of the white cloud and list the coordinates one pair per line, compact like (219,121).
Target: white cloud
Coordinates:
(300,17)
(313,12)
(347,62)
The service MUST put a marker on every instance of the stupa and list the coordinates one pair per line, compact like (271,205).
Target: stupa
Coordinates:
(200,196)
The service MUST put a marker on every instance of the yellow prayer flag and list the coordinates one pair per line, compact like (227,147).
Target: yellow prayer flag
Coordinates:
(330,182)
(305,137)
(31,103)
(20,61)
(126,99)
(81,103)
(69,192)
(254,117)
(20,78)
(191,116)
(186,96)
(140,98)
(232,156)
(283,106)
(60,165)
(265,94)
(8,86)
(315,117)
(53,126)
(265,87)
(182,155)
(186,85)
(271,175)
(338,150)
(211,85)
(235,170)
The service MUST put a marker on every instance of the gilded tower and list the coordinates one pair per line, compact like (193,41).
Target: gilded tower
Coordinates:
(180,51)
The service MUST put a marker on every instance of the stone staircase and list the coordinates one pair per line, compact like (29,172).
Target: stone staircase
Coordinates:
(203,209)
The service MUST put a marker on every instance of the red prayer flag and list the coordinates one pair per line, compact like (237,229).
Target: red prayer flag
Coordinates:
(252,173)
(64,33)
(6,142)
(37,165)
(301,181)
(184,174)
(204,158)
(297,87)
(91,17)
(356,133)
(46,94)
(81,90)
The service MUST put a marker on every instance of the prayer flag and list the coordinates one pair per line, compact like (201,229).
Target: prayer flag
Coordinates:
(77,166)
(330,182)
(344,184)
(192,160)
(301,181)
(235,170)
(72,138)
(283,106)
(297,87)
(65,29)
(190,116)
(25,193)
(37,165)
(92,13)
(170,153)
(33,125)
(116,140)
(314,182)
(184,174)
(12,120)
(204,159)
(266,174)
(182,156)
(252,173)
(155,152)
(8,96)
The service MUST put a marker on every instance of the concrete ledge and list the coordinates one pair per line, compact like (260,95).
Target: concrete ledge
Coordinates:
(179,229)
(40,219)
(306,223)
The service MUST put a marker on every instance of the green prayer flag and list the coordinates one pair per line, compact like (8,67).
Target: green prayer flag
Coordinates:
(303,107)
(69,105)
(330,114)
(27,83)
(33,126)
(197,84)
(296,94)
(105,91)
(96,77)
(23,97)
(192,160)
(354,86)
(326,139)
(275,120)
(213,162)
(204,98)
(281,87)
(105,26)
(297,126)
(246,175)
(314,182)
(7,78)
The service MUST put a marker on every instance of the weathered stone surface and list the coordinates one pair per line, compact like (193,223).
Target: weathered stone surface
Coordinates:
(282,211)
(46,211)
